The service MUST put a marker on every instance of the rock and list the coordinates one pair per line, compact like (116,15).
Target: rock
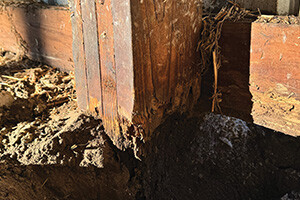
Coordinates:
(6,98)
(291,196)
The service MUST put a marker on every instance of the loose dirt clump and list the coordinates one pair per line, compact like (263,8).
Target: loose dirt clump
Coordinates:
(32,91)
(40,122)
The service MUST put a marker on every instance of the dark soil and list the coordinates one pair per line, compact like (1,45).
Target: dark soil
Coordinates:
(219,157)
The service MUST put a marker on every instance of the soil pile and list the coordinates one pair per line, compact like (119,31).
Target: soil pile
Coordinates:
(220,157)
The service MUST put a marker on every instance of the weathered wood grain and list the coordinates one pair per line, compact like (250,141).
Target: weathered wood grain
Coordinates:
(79,55)
(136,61)
(108,68)
(122,26)
(47,32)
(92,57)
(166,64)
(148,65)
(275,76)
(260,74)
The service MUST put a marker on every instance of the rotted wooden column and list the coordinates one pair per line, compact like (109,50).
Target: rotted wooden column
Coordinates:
(136,62)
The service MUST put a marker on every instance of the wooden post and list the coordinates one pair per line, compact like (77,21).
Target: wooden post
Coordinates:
(136,61)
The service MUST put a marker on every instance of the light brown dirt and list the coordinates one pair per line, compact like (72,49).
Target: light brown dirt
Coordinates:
(49,149)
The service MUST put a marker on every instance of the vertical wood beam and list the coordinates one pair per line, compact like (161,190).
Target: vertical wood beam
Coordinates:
(79,54)
(122,21)
(108,68)
(92,59)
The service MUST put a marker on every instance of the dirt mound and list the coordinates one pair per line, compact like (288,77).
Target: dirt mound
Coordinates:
(220,157)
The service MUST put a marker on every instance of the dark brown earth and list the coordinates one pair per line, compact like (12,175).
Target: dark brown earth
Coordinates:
(219,157)
(51,150)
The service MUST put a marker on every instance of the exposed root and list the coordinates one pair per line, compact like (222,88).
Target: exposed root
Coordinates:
(209,44)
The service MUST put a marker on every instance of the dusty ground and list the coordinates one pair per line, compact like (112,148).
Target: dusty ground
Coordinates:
(51,150)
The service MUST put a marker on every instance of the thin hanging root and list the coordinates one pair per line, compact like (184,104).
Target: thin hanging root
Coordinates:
(209,44)
(216,81)
(216,96)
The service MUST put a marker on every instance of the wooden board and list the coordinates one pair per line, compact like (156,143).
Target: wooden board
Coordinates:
(107,52)
(91,54)
(78,55)
(93,21)
(47,32)
(124,70)
(275,76)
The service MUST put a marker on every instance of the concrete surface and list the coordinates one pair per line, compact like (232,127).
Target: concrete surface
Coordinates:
(280,7)
(56,2)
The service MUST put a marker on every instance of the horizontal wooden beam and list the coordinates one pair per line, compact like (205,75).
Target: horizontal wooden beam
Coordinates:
(260,74)
(47,33)
(275,76)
